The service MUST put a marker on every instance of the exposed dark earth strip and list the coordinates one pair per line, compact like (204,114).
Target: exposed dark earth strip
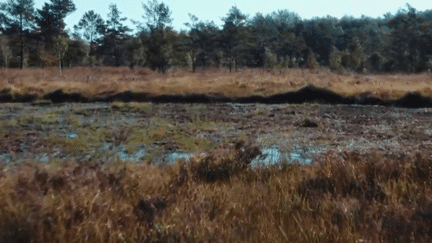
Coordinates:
(304,95)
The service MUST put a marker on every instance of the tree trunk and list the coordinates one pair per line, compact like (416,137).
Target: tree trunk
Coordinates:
(22,53)
(193,61)
(116,56)
(22,43)
(60,66)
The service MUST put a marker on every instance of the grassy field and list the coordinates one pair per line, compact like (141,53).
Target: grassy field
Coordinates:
(220,82)
(217,198)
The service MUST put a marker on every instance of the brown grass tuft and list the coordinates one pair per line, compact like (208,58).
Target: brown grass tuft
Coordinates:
(217,197)
(245,82)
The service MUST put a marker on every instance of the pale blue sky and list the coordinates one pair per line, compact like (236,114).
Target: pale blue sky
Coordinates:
(213,10)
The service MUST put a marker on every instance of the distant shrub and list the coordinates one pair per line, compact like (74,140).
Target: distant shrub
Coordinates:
(294,62)
(335,62)
(218,60)
(311,62)
(356,57)
(270,59)
(375,61)
(286,62)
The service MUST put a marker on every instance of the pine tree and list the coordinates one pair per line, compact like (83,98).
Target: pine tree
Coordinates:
(76,52)
(135,51)
(93,26)
(19,14)
(61,9)
(50,22)
(201,41)
(47,25)
(234,35)
(158,38)
(115,37)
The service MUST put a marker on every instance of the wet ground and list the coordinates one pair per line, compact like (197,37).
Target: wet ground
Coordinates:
(106,132)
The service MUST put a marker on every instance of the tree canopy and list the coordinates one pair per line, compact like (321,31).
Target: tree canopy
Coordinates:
(280,39)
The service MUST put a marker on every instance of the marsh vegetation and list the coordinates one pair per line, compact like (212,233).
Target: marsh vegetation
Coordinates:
(370,181)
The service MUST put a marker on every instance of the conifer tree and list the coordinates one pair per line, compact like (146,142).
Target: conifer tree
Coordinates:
(93,26)
(61,9)
(115,37)
(157,37)
(19,15)
(234,35)
(201,41)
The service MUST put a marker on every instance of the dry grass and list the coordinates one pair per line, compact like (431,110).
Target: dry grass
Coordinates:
(216,197)
(108,80)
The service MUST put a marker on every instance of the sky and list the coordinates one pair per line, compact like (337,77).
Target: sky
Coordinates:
(214,10)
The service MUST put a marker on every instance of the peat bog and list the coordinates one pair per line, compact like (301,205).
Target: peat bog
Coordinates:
(326,170)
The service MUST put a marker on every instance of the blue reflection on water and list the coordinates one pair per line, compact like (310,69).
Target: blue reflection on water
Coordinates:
(270,155)
(125,156)
(174,156)
(42,158)
(7,158)
(296,157)
(72,135)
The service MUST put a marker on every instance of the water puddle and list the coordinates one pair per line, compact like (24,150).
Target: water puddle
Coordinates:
(44,158)
(125,156)
(7,158)
(273,156)
(72,135)
(172,157)
(270,155)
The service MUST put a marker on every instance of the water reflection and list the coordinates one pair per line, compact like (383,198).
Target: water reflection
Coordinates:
(7,158)
(72,135)
(299,158)
(125,156)
(44,158)
(270,155)
(172,157)
(273,156)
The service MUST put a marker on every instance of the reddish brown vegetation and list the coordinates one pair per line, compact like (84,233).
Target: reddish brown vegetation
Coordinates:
(346,197)
(219,82)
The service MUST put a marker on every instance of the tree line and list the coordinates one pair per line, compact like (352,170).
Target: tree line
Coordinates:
(38,38)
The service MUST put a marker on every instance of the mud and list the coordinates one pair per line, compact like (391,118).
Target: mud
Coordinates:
(293,130)
(306,94)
